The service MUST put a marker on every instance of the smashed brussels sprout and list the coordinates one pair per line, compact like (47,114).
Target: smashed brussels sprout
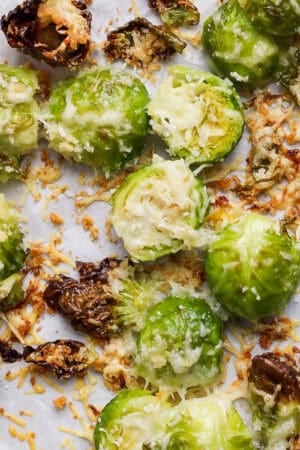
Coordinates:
(198,115)
(279,17)
(159,209)
(98,118)
(12,256)
(175,13)
(180,345)
(141,44)
(135,420)
(18,111)
(252,267)
(56,31)
(237,49)
(274,394)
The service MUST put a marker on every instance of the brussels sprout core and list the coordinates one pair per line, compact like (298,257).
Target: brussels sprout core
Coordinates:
(197,114)
(237,49)
(180,345)
(98,118)
(18,111)
(12,256)
(159,209)
(252,267)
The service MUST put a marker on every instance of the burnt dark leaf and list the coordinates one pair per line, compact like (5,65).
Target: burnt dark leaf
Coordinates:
(55,31)
(9,354)
(140,43)
(63,357)
(176,12)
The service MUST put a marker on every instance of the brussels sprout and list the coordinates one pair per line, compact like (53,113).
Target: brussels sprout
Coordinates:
(159,209)
(135,420)
(252,267)
(279,17)
(288,69)
(98,118)
(9,168)
(237,49)
(55,31)
(12,256)
(18,110)
(198,115)
(140,43)
(180,345)
(176,13)
(274,394)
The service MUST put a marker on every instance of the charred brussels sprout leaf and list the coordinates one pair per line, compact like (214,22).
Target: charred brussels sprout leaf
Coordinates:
(55,31)
(65,358)
(252,267)
(18,111)
(141,44)
(281,17)
(180,345)
(288,69)
(176,13)
(9,169)
(159,209)
(98,118)
(237,49)
(135,420)
(274,394)
(12,256)
(198,115)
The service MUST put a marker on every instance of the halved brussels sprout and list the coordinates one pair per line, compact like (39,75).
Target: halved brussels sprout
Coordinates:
(56,31)
(98,118)
(237,49)
(18,110)
(180,345)
(288,69)
(159,209)
(176,13)
(279,17)
(9,168)
(12,256)
(140,43)
(252,267)
(198,115)
(135,420)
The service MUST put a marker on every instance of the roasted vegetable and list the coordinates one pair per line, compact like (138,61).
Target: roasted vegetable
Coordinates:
(198,115)
(279,17)
(180,345)
(237,49)
(113,296)
(159,209)
(135,420)
(56,31)
(98,118)
(140,43)
(175,13)
(9,168)
(12,256)
(65,358)
(274,393)
(18,111)
(288,69)
(253,267)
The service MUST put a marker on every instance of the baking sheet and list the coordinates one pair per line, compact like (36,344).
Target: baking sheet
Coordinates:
(76,242)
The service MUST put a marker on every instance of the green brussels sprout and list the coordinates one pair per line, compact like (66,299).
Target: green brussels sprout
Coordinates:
(12,256)
(180,345)
(98,118)
(9,168)
(18,110)
(237,49)
(252,267)
(135,420)
(288,69)
(159,209)
(279,17)
(198,115)
(176,13)
(274,396)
